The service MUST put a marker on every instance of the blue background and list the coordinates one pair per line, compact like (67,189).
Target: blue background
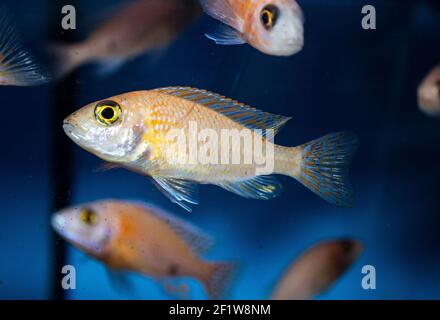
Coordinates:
(346,78)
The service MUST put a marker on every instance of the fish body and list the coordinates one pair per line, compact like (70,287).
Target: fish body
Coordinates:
(142,26)
(429,93)
(130,236)
(317,269)
(141,138)
(274,27)
(17,66)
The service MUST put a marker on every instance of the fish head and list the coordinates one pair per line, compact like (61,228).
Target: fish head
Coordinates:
(89,227)
(111,129)
(429,97)
(276,27)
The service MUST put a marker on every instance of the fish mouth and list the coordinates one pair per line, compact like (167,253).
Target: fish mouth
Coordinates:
(58,222)
(72,132)
(68,127)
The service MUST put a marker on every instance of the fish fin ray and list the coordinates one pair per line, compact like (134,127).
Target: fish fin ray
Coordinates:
(107,166)
(259,187)
(220,279)
(179,292)
(17,66)
(245,115)
(179,191)
(221,10)
(225,35)
(325,165)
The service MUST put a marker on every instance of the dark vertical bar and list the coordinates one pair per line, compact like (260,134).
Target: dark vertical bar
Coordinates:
(63,103)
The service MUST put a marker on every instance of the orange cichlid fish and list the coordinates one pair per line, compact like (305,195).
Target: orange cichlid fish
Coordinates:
(317,269)
(429,93)
(17,66)
(136,131)
(274,27)
(129,236)
(142,26)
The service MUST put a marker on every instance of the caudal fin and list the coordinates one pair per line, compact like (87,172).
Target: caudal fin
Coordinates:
(219,280)
(325,164)
(17,66)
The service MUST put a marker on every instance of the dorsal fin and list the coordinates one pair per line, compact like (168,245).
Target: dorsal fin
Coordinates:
(193,236)
(249,117)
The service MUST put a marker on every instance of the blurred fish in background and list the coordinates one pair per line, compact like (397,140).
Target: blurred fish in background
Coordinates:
(274,27)
(429,93)
(317,269)
(142,26)
(130,130)
(17,66)
(135,237)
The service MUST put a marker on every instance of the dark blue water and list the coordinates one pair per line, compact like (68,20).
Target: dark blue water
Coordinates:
(346,78)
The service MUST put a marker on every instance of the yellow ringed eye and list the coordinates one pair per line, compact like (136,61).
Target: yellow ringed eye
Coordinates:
(107,112)
(269,16)
(88,217)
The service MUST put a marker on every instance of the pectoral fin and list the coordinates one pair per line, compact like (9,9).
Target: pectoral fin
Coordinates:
(225,35)
(182,192)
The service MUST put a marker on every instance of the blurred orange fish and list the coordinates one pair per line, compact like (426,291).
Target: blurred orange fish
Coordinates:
(130,236)
(274,27)
(429,93)
(142,26)
(317,269)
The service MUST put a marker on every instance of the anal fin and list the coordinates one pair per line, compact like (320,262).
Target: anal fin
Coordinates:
(260,187)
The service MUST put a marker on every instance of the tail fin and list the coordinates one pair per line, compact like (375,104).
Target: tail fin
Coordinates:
(219,280)
(325,164)
(17,66)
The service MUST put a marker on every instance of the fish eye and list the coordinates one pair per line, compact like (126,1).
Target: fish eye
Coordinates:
(107,112)
(88,217)
(269,16)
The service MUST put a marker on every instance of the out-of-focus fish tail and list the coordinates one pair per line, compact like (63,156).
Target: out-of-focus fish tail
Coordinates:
(17,66)
(219,279)
(65,58)
(324,167)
